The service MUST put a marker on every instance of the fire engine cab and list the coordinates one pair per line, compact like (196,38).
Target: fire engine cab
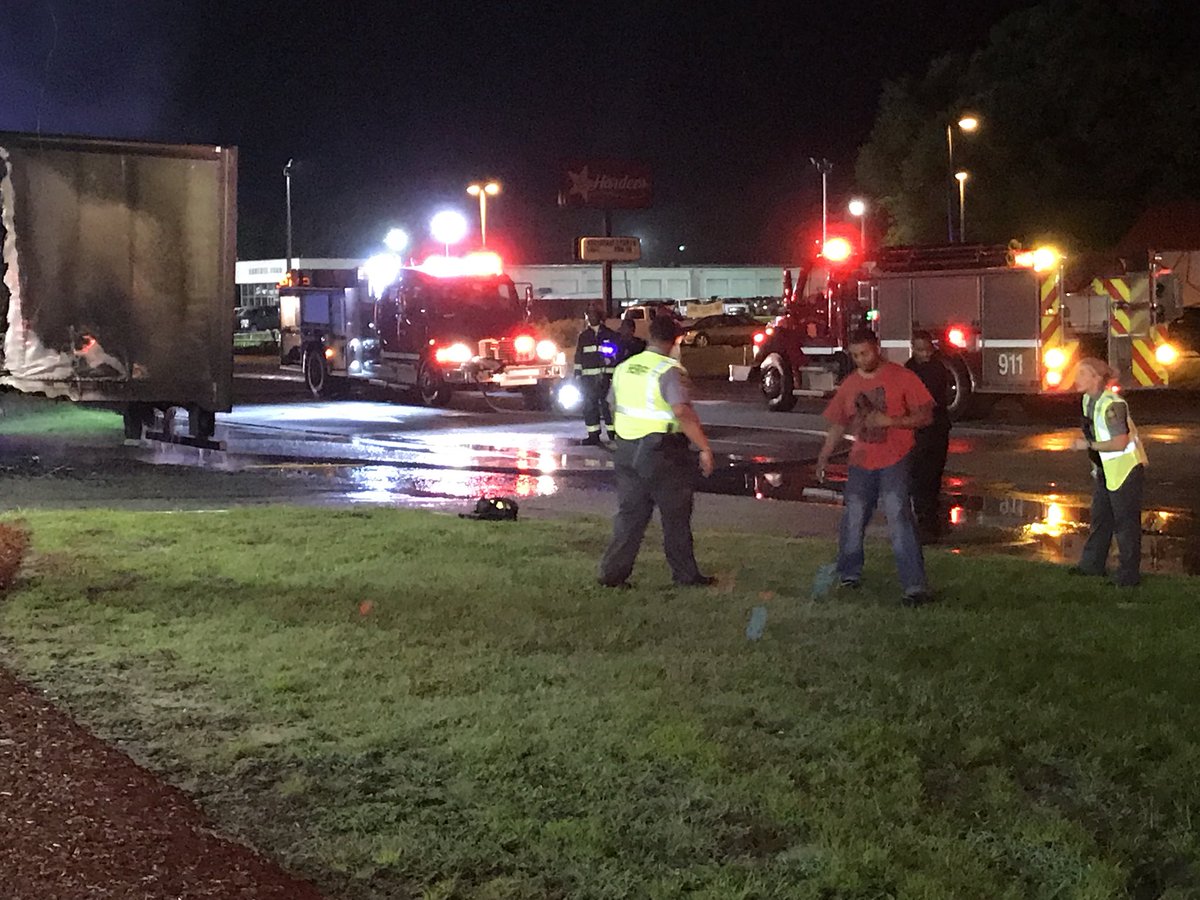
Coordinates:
(451,323)
(998,314)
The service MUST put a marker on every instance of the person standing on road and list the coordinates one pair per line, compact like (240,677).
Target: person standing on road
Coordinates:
(1118,474)
(594,353)
(880,404)
(628,343)
(655,465)
(932,441)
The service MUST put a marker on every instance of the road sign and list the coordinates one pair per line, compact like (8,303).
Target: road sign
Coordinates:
(609,249)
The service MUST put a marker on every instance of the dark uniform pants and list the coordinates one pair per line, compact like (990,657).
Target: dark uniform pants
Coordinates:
(1116,513)
(657,470)
(929,462)
(595,402)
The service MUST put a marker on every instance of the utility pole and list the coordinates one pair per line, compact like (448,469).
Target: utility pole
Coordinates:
(287,178)
(823,166)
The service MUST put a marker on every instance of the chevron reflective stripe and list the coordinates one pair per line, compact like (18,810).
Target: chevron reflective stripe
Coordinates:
(1117,291)
(1051,334)
(1051,310)
(1147,370)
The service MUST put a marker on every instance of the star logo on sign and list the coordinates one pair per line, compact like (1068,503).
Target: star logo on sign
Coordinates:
(581,183)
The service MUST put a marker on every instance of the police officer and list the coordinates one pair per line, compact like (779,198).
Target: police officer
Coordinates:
(654,463)
(594,353)
(1119,470)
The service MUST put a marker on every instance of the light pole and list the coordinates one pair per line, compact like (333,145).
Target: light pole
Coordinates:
(823,166)
(483,191)
(287,180)
(967,124)
(961,178)
(858,209)
(448,227)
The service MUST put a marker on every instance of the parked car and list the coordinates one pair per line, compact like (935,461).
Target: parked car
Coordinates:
(735,329)
(256,318)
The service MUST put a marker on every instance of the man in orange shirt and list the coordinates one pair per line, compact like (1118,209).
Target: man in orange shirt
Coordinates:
(880,405)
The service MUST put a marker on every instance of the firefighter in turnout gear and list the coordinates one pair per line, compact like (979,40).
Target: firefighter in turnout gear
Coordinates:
(594,356)
(655,466)
(1119,472)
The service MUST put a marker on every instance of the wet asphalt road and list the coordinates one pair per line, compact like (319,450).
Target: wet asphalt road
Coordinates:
(1011,481)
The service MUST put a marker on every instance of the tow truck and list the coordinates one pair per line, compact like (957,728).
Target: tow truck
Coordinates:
(448,324)
(998,313)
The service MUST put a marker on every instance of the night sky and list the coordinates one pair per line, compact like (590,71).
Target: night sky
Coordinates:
(391,108)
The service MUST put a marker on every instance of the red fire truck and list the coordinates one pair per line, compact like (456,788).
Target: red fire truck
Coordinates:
(451,323)
(998,313)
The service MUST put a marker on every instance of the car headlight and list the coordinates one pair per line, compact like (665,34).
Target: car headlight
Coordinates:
(546,350)
(569,396)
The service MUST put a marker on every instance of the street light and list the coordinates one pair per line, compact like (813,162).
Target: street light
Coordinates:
(287,179)
(483,191)
(968,124)
(396,240)
(858,209)
(448,227)
(961,178)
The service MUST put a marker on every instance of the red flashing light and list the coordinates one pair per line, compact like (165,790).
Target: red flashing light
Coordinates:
(837,250)
(956,336)
(957,514)
(759,337)
(479,265)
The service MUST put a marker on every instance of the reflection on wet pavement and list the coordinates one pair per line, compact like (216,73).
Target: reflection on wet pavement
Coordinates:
(1052,526)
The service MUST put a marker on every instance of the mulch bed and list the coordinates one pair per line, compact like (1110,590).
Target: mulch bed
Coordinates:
(80,820)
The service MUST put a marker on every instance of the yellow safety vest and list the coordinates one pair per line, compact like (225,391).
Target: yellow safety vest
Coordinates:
(1117,463)
(641,409)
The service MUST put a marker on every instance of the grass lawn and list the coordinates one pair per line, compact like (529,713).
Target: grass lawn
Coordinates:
(402,704)
(36,416)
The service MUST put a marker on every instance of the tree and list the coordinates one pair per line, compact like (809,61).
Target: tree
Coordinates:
(1089,113)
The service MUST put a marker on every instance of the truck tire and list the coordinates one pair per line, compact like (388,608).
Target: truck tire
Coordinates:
(137,416)
(432,390)
(202,423)
(536,397)
(777,383)
(316,373)
(961,388)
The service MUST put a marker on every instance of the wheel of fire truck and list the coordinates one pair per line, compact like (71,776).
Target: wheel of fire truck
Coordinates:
(320,381)
(777,383)
(316,372)
(536,397)
(432,390)
(961,389)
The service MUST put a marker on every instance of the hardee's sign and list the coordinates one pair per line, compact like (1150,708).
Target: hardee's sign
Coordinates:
(606,184)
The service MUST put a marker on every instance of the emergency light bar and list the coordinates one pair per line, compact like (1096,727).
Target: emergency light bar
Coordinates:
(482,264)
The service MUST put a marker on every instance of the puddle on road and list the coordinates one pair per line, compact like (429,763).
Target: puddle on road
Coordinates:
(1052,527)
(383,484)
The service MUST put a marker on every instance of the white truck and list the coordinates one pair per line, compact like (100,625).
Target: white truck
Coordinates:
(119,275)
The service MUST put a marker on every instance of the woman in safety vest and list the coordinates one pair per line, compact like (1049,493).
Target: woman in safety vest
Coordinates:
(1119,471)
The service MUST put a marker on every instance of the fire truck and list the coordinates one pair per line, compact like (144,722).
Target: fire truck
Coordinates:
(998,313)
(448,324)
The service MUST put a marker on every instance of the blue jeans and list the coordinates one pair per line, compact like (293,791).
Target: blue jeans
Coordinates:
(865,488)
